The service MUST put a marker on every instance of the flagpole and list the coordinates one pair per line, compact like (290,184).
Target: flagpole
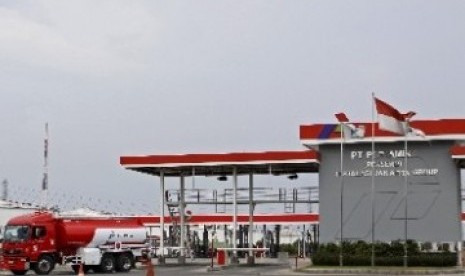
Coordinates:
(342,194)
(397,122)
(406,172)
(373,179)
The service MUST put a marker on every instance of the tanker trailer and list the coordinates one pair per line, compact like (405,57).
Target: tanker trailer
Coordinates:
(41,240)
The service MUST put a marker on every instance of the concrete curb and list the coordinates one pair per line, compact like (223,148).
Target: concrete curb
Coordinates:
(382,271)
(214,268)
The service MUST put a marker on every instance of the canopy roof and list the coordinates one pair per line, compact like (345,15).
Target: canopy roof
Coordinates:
(291,162)
(268,162)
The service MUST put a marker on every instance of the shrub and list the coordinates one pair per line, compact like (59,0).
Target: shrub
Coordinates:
(289,248)
(359,254)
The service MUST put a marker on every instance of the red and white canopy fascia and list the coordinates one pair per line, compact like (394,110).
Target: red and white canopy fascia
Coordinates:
(213,219)
(314,135)
(268,162)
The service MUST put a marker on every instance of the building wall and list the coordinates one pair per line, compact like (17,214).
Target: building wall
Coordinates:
(433,201)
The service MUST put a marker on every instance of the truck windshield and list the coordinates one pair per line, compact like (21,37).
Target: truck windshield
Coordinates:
(16,233)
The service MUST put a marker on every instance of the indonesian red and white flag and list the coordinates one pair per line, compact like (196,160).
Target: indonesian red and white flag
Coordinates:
(390,119)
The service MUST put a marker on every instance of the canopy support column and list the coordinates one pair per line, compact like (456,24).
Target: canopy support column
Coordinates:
(182,257)
(251,259)
(161,257)
(234,234)
(459,254)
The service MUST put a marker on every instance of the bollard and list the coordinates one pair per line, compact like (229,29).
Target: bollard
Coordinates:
(81,269)
(150,270)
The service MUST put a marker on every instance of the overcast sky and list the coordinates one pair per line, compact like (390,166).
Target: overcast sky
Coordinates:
(117,78)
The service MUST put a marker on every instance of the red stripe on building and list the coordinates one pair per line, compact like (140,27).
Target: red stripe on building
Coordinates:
(429,127)
(457,150)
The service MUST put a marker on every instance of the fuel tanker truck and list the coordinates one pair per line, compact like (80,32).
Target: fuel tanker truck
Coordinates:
(40,240)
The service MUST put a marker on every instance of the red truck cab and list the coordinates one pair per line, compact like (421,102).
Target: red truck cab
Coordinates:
(30,243)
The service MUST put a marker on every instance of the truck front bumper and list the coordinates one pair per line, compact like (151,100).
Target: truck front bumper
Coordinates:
(15,263)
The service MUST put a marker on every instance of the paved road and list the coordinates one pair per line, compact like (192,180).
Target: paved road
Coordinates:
(201,267)
(192,267)
(183,270)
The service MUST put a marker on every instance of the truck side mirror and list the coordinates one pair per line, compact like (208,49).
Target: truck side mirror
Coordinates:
(39,232)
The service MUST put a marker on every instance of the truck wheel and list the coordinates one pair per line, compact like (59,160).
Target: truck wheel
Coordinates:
(107,265)
(124,263)
(44,265)
(19,272)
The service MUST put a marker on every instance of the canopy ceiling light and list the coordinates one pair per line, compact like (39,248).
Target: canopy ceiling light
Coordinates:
(293,176)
